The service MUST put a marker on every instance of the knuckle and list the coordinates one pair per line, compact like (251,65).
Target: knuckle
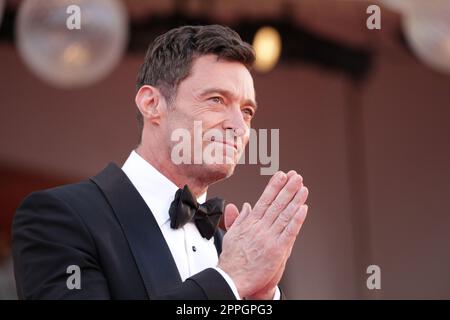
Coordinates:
(277,205)
(263,204)
(285,217)
(290,232)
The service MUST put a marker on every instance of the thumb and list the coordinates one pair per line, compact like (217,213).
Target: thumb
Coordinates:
(230,214)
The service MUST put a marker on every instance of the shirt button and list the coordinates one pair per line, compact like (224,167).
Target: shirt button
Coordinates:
(194,248)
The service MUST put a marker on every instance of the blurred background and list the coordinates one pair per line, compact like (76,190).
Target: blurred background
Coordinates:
(363,113)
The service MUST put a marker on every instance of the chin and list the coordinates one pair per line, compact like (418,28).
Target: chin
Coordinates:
(218,172)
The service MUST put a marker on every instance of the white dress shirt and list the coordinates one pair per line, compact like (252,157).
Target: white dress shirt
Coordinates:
(192,253)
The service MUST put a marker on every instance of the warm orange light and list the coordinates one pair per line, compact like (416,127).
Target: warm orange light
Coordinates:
(267,45)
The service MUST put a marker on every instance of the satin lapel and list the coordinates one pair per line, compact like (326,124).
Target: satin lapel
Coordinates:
(218,238)
(151,253)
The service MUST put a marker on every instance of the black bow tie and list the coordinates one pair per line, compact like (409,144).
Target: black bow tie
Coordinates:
(206,216)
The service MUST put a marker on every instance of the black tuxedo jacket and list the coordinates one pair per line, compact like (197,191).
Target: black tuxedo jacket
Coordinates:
(103,226)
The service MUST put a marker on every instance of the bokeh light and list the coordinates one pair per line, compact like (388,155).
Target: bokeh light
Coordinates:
(267,45)
(71,57)
(426,25)
(428,32)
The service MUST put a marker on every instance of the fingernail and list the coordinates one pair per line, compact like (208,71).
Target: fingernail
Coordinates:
(276,176)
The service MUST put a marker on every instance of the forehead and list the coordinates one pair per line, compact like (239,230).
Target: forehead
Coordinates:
(207,71)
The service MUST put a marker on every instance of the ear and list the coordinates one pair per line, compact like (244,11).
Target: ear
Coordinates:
(148,100)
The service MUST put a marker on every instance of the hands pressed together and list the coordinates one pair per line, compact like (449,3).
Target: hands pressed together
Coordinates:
(259,241)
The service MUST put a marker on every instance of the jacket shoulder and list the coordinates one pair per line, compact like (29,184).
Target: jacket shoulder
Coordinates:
(83,190)
(81,203)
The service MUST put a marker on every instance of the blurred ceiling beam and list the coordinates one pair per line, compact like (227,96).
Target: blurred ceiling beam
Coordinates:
(339,20)
(329,33)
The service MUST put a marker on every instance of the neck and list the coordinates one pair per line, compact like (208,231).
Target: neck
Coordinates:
(174,173)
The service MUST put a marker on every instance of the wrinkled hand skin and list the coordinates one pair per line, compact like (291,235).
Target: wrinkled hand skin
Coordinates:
(259,241)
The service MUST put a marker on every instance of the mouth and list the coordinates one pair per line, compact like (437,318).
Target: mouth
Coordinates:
(228,143)
(231,144)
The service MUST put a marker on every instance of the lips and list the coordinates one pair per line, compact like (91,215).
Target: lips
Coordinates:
(232,144)
(229,143)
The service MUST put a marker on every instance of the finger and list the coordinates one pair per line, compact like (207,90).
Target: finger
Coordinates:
(246,209)
(283,198)
(282,220)
(269,194)
(230,214)
(279,274)
(291,173)
(289,234)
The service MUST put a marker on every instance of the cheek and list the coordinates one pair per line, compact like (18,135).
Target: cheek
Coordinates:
(180,120)
(212,119)
(246,137)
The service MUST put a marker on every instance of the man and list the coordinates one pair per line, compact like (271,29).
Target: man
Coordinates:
(141,231)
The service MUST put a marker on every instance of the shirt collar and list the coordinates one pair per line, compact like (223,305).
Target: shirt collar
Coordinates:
(156,189)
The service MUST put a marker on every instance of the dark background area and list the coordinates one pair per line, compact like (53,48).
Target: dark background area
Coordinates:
(360,117)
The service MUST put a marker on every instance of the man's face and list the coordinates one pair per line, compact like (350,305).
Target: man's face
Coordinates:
(220,95)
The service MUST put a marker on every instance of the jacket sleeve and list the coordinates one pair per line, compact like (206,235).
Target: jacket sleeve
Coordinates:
(48,237)
(207,284)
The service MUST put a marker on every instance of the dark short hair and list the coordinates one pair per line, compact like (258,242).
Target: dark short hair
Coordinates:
(169,57)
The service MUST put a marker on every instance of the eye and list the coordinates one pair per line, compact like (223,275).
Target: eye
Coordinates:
(249,111)
(217,100)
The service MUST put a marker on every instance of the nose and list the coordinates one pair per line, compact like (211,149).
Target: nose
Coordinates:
(235,122)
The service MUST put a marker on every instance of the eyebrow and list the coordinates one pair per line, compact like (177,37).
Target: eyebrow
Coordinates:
(227,94)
